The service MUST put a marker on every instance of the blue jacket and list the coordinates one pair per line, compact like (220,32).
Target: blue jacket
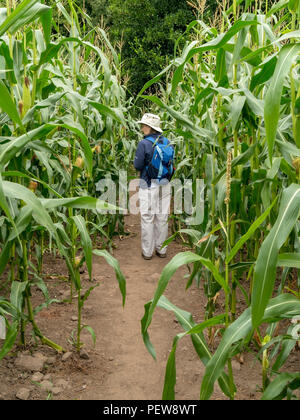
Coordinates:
(143,157)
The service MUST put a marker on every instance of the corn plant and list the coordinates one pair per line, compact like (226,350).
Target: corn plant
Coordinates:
(241,330)
(59,95)
(233,97)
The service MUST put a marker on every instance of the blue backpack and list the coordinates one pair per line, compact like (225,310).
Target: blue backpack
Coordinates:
(161,163)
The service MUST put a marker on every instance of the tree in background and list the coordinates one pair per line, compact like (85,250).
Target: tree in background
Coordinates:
(146,29)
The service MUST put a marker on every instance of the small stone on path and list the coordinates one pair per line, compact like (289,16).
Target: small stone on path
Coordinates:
(23,394)
(66,356)
(37,377)
(46,386)
(84,355)
(61,383)
(56,390)
(51,360)
(34,364)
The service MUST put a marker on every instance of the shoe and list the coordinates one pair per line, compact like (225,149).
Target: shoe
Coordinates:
(146,258)
(161,255)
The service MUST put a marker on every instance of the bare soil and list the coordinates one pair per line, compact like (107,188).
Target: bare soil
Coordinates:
(119,367)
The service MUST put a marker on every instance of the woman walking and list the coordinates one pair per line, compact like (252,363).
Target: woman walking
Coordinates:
(154,159)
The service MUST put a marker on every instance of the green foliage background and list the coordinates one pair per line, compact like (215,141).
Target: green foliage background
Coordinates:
(146,29)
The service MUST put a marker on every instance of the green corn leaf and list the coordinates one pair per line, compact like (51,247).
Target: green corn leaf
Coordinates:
(22,221)
(91,331)
(238,45)
(3,202)
(16,15)
(114,113)
(180,118)
(8,105)
(63,234)
(11,63)
(6,308)
(265,268)
(39,213)
(3,14)
(180,259)
(186,321)
(288,35)
(86,295)
(10,149)
(281,4)
(86,241)
(286,347)
(48,102)
(236,108)
(273,96)
(5,255)
(31,177)
(47,55)
(112,50)
(64,12)
(154,80)
(115,265)
(238,2)
(294,5)
(11,335)
(188,324)
(46,20)
(215,44)
(221,70)
(283,306)
(170,374)
(14,190)
(239,160)
(144,331)
(90,203)
(188,28)
(264,74)
(289,260)
(85,145)
(250,232)
(246,54)
(253,57)
(278,387)
(289,147)
(52,51)
(215,272)
(17,295)
(218,319)
(37,10)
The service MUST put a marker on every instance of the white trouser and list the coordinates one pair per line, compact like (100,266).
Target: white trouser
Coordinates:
(154,209)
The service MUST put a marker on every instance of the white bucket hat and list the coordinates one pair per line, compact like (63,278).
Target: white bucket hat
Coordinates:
(152,121)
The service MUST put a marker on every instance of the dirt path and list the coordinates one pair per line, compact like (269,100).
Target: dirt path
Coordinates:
(119,367)
(132,373)
(123,367)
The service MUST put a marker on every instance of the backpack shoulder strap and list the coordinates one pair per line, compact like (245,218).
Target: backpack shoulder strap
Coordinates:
(159,139)
(152,139)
